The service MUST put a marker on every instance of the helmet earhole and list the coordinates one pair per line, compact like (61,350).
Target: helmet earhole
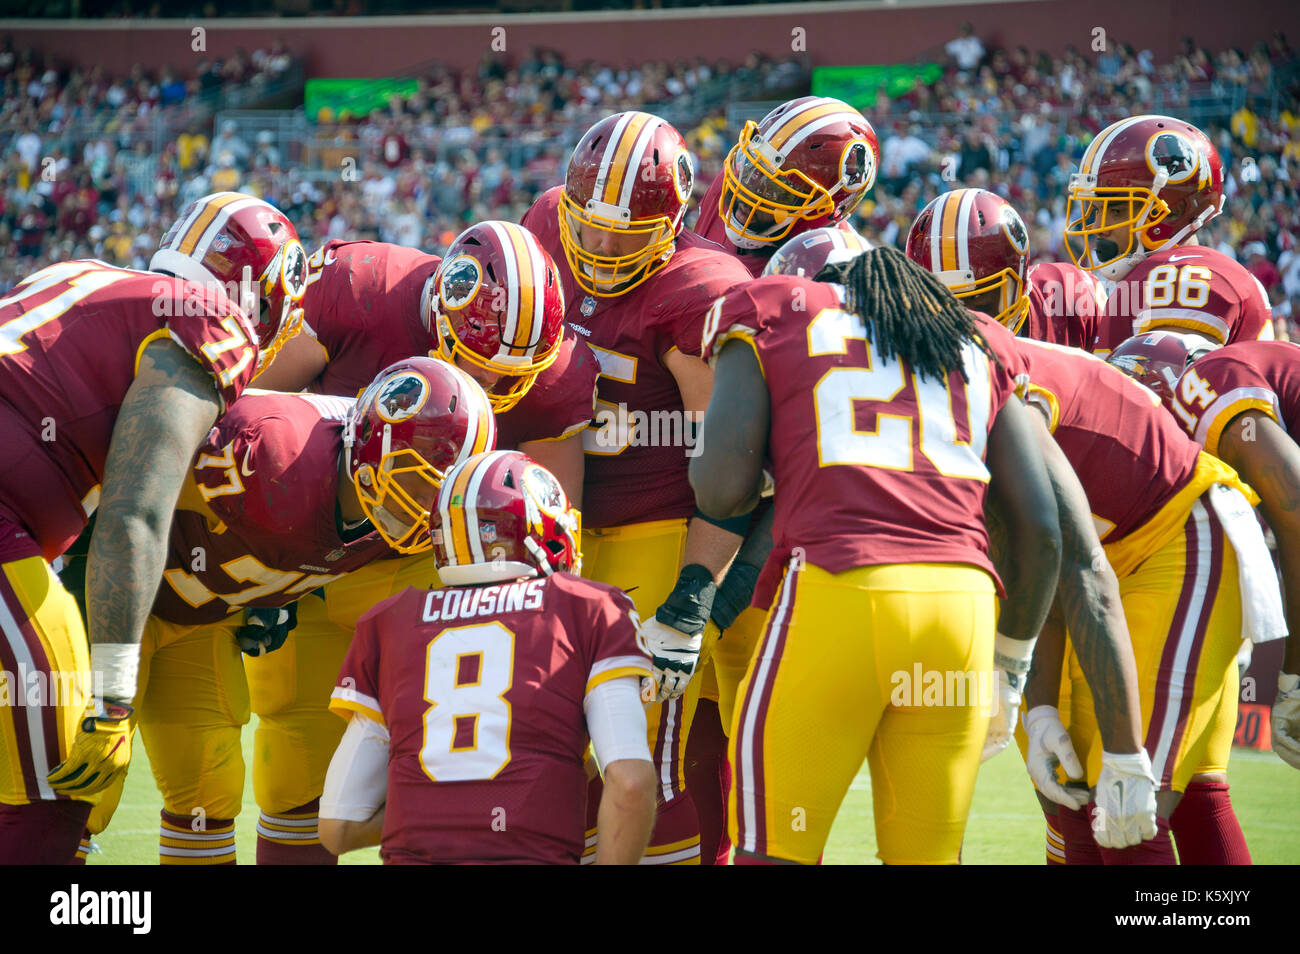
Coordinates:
(451,407)
(509,480)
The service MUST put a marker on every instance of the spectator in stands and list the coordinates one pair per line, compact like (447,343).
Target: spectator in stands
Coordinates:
(229,142)
(192,149)
(966,50)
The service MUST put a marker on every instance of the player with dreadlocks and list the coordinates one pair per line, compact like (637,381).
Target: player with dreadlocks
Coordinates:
(879,582)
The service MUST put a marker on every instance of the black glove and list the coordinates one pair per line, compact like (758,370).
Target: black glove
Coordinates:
(734,594)
(265,629)
(688,606)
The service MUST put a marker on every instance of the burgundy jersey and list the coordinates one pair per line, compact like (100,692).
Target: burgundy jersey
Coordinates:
(482,690)
(638,442)
(365,304)
(559,404)
(1064,304)
(872,463)
(710,226)
(1189,288)
(1249,375)
(71,337)
(1128,452)
(269,474)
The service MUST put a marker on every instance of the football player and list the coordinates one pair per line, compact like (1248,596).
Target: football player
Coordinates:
(470,707)
(975,242)
(807,164)
(638,288)
(288,493)
(881,577)
(1176,528)
(1242,403)
(110,380)
(494,307)
(1146,185)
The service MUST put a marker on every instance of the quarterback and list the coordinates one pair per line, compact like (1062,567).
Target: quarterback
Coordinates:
(542,661)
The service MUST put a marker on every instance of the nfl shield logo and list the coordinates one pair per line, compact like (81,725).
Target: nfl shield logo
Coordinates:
(221,243)
(588,306)
(335,555)
(488,532)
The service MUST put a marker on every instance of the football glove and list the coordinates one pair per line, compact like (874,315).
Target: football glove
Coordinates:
(1126,801)
(265,629)
(1286,719)
(734,594)
(675,635)
(1006,707)
(1050,746)
(100,751)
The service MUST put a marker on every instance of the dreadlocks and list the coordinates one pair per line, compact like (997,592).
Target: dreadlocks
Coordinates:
(909,312)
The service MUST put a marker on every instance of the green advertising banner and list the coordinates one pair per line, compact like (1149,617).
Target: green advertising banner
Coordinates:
(857,85)
(351,98)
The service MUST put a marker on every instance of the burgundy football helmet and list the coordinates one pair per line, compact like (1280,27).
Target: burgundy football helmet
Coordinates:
(1158,359)
(974,242)
(500,516)
(806,164)
(809,252)
(248,249)
(1144,184)
(625,194)
(497,305)
(415,421)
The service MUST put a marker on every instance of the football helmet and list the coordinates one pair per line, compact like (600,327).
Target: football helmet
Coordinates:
(808,163)
(497,305)
(1158,359)
(415,421)
(809,252)
(976,243)
(625,195)
(501,516)
(1145,183)
(248,249)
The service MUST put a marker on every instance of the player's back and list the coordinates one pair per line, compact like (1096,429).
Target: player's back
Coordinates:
(1190,288)
(1064,304)
(1128,452)
(1249,375)
(71,339)
(364,303)
(873,464)
(482,690)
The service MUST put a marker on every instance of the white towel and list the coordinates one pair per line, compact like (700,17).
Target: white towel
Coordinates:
(1261,598)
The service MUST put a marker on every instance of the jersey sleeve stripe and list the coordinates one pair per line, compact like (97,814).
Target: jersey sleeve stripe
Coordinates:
(639,669)
(564,435)
(1220,414)
(1188,318)
(349,700)
(743,334)
(1041,397)
(153,336)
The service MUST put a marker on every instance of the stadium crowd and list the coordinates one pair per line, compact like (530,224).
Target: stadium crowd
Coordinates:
(84,175)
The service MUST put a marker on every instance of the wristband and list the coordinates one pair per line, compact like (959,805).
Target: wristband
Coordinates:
(118,664)
(1013,655)
(737,525)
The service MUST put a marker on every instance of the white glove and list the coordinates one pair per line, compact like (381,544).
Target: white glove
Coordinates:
(1006,708)
(1126,801)
(1286,719)
(673,658)
(1050,746)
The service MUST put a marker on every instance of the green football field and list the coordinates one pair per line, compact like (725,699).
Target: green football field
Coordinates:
(1005,826)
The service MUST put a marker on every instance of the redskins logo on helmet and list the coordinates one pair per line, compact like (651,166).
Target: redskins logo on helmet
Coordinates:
(807,164)
(625,195)
(976,243)
(249,250)
(502,516)
(497,309)
(1144,184)
(809,252)
(415,421)
(1158,359)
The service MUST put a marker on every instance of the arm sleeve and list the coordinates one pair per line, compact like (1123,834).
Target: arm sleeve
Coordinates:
(356,783)
(615,721)
(357,689)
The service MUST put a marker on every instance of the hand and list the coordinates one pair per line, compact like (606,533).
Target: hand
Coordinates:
(1286,719)
(1126,801)
(265,629)
(1006,707)
(673,658)
(100,751)
(1050,746)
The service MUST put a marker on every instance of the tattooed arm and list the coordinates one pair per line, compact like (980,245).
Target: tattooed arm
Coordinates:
(1089,605)
(163,420)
